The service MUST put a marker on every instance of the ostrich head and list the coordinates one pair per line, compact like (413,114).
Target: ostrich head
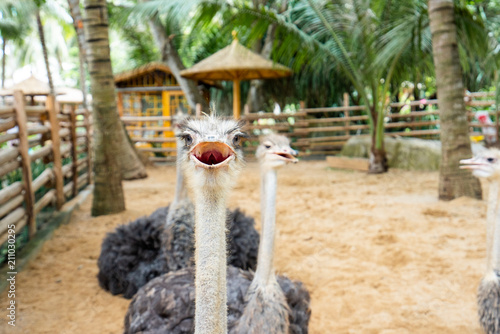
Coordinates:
(274,151)
(211,154)
(485,165)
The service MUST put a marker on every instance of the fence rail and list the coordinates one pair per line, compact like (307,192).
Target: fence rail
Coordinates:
(45,158)
(323,131)
(318,131)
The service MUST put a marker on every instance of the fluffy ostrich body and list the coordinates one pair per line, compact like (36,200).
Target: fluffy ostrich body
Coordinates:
(487,165)
(151,246)
(260,303)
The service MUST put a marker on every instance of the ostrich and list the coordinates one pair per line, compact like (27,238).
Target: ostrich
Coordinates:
(487,165)
(266,307)
(150,246)
(167,303)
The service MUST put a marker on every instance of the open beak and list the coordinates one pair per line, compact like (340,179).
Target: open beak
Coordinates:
(287,156)
(212,155)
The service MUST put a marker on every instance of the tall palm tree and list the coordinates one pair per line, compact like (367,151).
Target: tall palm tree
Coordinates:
(348,37)
(108,192)
(76,15)
(41,33)
(111,156)
(453,182)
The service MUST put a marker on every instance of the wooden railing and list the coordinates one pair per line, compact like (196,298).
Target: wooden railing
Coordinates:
(138,127)
(53,138)
(318,131)
(323,131)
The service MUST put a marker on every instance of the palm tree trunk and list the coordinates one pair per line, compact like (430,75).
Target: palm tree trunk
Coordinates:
(256,95)
(108,192)
(453,182)
(170,56)
(378,157)
(44,50)
(74,6)
(99,64)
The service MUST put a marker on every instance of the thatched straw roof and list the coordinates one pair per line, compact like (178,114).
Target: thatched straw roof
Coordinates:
(150,67)
(236,62)
(32,86)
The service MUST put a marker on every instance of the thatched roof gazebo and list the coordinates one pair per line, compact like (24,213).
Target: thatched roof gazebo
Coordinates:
(236,62)
(30,87)
(151,74)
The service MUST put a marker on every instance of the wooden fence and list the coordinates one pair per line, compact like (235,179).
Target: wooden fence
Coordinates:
(320,131)
(54,139)
(323,131)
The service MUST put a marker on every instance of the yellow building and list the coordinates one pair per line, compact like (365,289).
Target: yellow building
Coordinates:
(150,92)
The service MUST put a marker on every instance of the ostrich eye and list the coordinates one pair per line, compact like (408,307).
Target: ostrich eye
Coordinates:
(237,139)
(188,140)
(492,160)
(267,146)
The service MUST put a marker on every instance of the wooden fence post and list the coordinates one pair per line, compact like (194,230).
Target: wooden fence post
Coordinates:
(198,110)
(53,110)
(346,114)
(22,124)
(88,126)
(74,154)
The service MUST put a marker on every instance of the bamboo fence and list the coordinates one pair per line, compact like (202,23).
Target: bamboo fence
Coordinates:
(46,134)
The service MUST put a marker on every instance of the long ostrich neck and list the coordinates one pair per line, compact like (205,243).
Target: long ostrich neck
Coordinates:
(180,186)
(493,228)
(210,257)
(491,216)
(265,269)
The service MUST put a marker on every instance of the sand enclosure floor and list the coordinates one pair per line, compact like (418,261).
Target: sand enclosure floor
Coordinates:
(378,253)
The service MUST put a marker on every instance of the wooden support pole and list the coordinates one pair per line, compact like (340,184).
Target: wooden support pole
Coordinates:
(88,127)
(74,153)
(246,109)
(236,99)
(198,110)
(53,110)
(346,113)
(119,103)
(29,196)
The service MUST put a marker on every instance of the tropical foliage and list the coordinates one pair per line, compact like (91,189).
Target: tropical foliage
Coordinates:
(378,51)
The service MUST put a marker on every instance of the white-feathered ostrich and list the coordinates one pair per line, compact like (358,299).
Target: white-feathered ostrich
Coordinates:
(150,246)
(167,303)
(266,307)
(487,165)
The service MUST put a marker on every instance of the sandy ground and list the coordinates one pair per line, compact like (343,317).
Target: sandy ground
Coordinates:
(379,254)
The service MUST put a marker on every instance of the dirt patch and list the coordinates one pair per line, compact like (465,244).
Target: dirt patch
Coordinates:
(378,253)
